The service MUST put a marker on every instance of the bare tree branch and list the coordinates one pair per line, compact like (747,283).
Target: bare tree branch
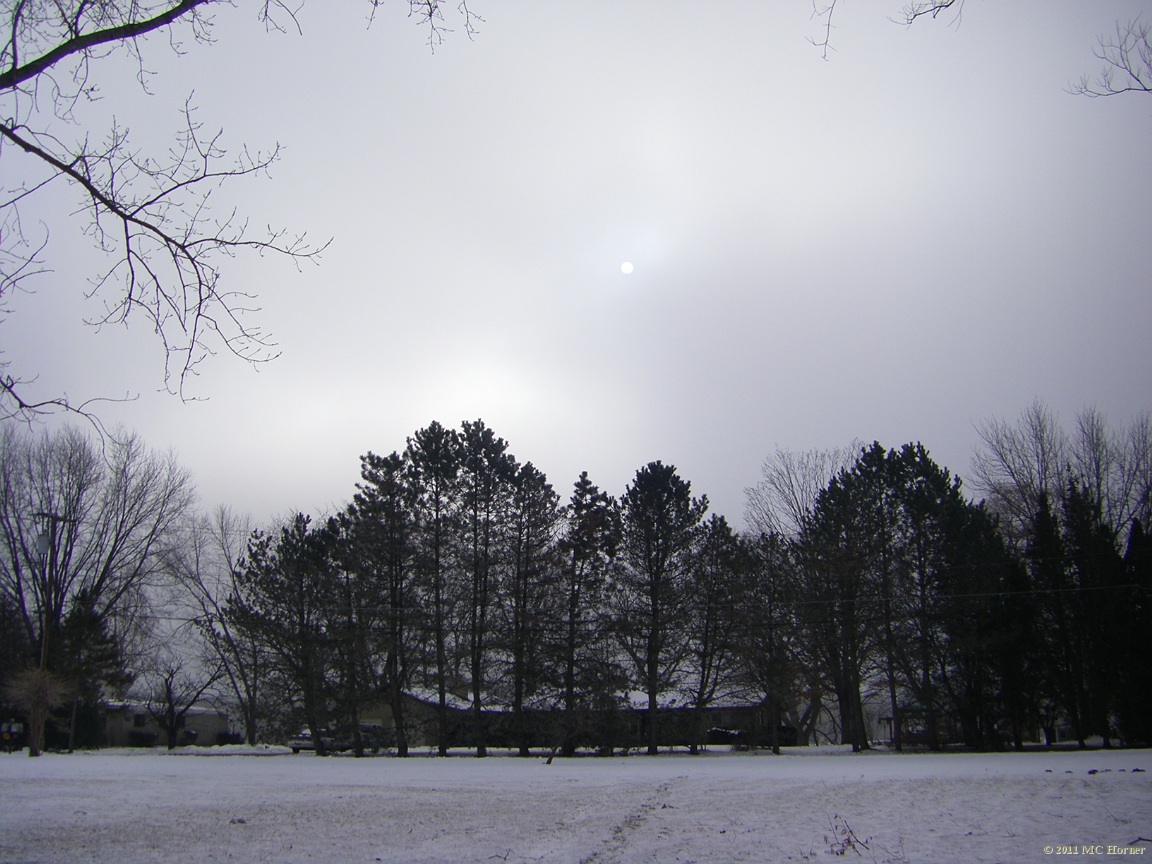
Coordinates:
(157,218)
(154,219)
(825,9)
(430,13)
(77,41)
(791,482)
(16,405)
(825,12)
(1127,56)
(1127,59)
(929,8)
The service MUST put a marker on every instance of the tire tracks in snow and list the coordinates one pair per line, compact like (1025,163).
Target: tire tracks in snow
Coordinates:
(615,845)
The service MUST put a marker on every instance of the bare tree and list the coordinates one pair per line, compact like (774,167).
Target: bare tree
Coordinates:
(154,216)
(771,659)
(205,563)
(74,525)
(37,692)
(173,688)
(791,480)
(1127,59)
(1115,466)
(1019,464)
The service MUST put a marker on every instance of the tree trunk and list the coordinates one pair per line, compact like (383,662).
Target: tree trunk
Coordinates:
(568,748)
(441,662)
(653,687)
(398,723)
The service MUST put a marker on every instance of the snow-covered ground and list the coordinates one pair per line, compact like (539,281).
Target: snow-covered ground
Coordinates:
(807,805)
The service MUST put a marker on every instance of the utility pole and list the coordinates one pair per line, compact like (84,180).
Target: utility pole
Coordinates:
(46,547)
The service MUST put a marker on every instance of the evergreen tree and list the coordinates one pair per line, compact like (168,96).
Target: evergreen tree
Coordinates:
(1019,656)
(353,622)
(433,456)
(91,659)
(660,520)
(1097,569)
(889,546)
(834,589)
(1134,699)
(977,572)
(16,651)
(588,547)
(722,565)
(284,598)
(769,657)
(486,473)
(1063,673)
(529,586)
(384,535)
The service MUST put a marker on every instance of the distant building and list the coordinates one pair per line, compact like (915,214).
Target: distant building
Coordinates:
(729,721)
(128,724)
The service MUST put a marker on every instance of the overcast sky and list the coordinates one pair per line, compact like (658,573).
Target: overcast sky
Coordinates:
(923,232)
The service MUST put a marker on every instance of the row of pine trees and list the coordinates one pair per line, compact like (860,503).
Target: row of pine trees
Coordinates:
(457,572)
(870,598)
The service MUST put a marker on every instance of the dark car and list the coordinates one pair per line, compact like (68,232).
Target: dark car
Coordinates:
(373,737)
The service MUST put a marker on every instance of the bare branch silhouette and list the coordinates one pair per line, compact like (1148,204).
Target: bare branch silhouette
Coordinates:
(156,217)
(1127,59)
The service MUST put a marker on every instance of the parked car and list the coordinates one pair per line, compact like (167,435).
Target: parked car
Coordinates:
(373,737)
(304,741)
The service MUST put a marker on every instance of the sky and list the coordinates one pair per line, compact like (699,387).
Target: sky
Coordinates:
(916,235)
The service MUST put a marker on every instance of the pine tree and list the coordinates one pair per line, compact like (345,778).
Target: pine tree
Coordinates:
(767,633)
(486,472)
(660,520)
(91,659)
(722,564)
(834,588)
(1134,699)
(1097,569)
(529,586)
(433,456)
(1063,674)
(588,548)
(284,598)
(382,532)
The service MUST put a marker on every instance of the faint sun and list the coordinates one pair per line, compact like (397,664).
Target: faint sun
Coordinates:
(626,268)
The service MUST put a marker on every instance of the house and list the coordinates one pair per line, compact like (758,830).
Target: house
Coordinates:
(129,724)
(733,720)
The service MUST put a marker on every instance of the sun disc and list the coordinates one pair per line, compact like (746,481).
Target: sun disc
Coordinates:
(626,268)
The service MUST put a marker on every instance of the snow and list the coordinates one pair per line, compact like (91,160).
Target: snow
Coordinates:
(150,806)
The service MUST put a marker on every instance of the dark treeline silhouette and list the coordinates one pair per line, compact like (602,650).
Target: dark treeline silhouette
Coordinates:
(897,609)
(460,599)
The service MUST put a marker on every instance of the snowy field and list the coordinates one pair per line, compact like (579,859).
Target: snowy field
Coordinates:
(807,805)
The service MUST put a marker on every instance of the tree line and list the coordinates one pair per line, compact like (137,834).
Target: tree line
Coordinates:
(867,586)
